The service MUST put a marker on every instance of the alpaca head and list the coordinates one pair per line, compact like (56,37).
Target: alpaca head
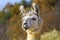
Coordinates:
(30,20)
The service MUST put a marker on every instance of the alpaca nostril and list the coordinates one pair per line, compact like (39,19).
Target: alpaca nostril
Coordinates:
(25,23)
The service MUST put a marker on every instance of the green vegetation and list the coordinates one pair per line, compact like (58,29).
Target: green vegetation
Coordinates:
(4,17)
(10,10)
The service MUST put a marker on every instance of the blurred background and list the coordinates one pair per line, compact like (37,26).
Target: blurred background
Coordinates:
(10,19)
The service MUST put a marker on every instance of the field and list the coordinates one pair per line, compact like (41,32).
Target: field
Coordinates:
(54,35)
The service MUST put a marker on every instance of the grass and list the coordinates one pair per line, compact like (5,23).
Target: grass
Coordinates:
(54,35)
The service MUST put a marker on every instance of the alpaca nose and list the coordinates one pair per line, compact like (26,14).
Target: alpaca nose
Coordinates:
(25,26)
(25,23)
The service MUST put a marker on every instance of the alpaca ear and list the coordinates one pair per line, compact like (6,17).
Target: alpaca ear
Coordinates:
(35,7)
(21,9)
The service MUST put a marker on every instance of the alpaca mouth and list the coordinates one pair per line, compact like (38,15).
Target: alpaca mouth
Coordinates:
(26,28)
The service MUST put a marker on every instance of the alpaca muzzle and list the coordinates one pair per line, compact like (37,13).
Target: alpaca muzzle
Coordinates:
(25,26)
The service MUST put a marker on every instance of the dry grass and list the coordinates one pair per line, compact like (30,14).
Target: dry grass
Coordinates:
(54,35)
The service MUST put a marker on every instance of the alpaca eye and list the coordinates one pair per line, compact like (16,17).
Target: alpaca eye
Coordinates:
(34,19)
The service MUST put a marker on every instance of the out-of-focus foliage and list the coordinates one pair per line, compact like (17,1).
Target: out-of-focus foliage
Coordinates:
(25,3)
(4,17)
(46,2)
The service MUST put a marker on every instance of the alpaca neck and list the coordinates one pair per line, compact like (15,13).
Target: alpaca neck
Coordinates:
(33,36)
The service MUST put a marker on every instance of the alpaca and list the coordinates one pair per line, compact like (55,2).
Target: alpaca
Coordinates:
(31,22)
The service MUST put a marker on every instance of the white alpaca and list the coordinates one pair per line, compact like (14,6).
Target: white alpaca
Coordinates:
(31,22)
